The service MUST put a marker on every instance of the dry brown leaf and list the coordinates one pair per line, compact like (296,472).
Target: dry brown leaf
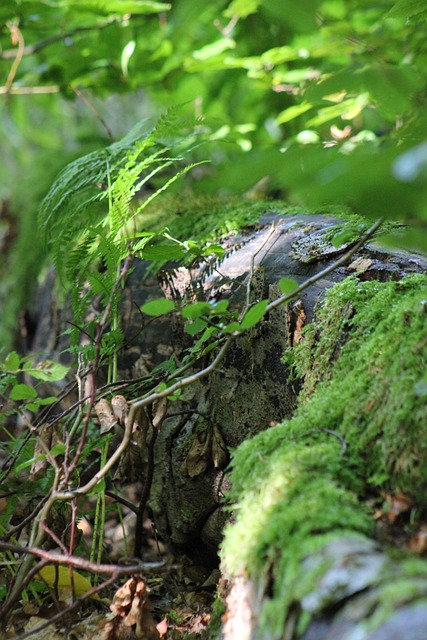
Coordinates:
(159,412)
(132,613)
(106,417)
(199,455)
(397,503)
(121,409)
(162,627)
(361,265)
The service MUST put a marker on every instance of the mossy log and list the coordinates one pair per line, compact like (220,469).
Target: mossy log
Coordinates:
(323,410)
(303,554)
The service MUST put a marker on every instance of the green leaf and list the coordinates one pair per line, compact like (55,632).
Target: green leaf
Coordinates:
(242,8)
(122,7)
(343,237)
(213,248)
(293,112)
(286,285)
(231,328)
(58,449)
(196,310)
(220,307)
(195,327)
(11,362)
(22,392)
(407,8)
(163,252)
(158,307)
(254,314)
(47,370)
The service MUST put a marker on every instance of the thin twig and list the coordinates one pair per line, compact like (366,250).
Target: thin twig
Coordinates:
(332,433)
(145,492)
(80,563)
(344,258)
(94,109)
(252,268)
(19,52)
(72,607)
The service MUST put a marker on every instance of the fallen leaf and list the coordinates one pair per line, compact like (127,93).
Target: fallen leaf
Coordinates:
(57,577)
(106,417)
(132,614)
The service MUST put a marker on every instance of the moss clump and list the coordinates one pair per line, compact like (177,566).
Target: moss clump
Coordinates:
(289,500)
(364,362)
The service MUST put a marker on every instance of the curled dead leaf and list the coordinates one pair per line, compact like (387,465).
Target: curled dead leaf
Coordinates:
(199,455)
(120,408)
(132,613)
(106,417)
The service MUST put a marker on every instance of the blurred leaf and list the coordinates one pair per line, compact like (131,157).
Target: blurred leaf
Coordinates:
(22,392)
(126,56)
(12,362)
(46,370)
(242,8)
(57,577)
(408,8)
(122,7)
(196,310)
(158,307)
(293,112)
(287,285)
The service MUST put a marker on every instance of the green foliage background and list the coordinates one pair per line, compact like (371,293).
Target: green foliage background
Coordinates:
(325,97)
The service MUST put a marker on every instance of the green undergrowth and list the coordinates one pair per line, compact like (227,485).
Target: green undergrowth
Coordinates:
(361,427)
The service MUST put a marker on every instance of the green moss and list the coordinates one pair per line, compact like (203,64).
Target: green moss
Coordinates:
(205,218)
(365,368)
(364,364)
(299,498)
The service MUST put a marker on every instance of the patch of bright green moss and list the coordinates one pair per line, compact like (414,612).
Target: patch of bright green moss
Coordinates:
(294,487)
(365,368)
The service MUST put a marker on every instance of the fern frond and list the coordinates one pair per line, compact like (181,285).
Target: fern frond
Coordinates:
(78,184)
(85,225)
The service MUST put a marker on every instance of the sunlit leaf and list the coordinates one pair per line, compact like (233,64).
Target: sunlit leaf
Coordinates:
(293,112)
(46,370)
(126,56)
(122,7)
(254,314)
(58,577)
(242,8)
(22,392)
(287,285)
